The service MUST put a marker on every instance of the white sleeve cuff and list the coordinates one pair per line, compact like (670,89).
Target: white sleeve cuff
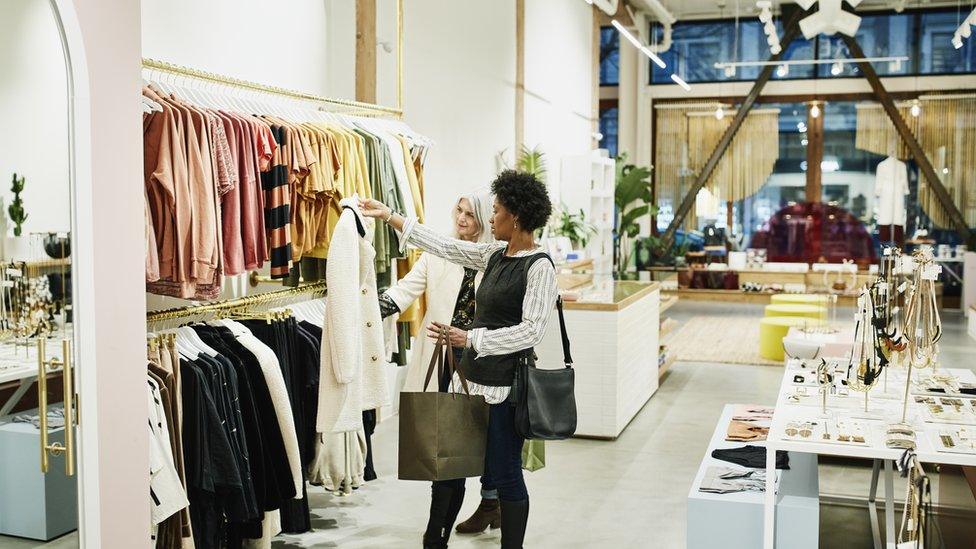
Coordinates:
(408,225)
(474,339)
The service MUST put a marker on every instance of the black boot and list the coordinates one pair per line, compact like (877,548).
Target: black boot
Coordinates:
(515,516)
(445,503)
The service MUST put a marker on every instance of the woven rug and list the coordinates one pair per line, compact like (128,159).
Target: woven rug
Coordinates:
(728,339)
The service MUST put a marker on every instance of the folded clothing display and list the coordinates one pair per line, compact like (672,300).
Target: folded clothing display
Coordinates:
(743,431)
(55,419)
(751,456)
(726,480)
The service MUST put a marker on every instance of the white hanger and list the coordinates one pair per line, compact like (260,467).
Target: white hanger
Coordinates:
(193,338)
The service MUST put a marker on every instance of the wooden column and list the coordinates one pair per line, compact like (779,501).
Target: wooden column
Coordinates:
(792,31)
(519,76)
(883,97)
(815,150)
(366,51)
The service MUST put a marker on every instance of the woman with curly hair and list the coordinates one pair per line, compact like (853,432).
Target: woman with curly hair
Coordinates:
(513,304)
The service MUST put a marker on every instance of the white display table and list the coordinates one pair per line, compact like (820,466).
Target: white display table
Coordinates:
(613,329)
(732,521)
(884,407)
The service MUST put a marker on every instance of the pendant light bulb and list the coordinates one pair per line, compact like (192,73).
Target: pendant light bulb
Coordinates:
(815,111)
(782,70)
(916,109)
(719,113)
(836,68)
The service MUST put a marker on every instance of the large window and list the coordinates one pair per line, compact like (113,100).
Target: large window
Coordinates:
(608,126)
(609,56)
(922,36)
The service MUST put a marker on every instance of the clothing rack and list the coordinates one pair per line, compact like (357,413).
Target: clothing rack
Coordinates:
(267,298)
(356,108)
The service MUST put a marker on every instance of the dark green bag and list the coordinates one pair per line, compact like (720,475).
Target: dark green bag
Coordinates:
(442,435)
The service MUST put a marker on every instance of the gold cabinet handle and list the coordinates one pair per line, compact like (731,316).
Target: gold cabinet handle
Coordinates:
(56,449)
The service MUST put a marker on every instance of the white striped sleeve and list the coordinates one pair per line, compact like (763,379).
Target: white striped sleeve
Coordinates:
(540,297)
(461,252)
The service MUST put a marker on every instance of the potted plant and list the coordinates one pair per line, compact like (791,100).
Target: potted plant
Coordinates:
(632,198)
(574,227)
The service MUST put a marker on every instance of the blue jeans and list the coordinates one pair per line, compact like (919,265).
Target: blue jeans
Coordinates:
(503,457)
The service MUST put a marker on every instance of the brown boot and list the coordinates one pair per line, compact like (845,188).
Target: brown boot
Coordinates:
(487,515)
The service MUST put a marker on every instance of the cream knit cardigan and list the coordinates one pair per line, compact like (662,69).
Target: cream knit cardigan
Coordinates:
(352,378)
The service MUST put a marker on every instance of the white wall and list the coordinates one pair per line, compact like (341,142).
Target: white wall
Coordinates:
(280,43)
(459,90)
(558,80)
(34,110)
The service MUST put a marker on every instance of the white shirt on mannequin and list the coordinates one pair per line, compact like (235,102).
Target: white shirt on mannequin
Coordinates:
(891,187)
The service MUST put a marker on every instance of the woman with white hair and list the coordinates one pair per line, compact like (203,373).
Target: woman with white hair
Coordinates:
(450,291)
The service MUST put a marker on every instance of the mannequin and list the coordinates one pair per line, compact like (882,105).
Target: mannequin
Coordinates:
(890,189)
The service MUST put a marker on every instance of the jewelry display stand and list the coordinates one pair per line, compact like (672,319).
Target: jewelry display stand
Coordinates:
(923,329)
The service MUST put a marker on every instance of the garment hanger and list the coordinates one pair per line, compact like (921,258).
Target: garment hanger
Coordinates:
(184,348)
(193,338)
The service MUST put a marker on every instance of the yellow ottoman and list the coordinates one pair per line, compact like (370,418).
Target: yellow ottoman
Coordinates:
(800,299)
(797,309)
(772,330)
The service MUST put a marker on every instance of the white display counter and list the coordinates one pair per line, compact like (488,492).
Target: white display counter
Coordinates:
(613,329)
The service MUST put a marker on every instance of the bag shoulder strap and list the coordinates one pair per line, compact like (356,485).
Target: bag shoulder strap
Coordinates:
(567,357)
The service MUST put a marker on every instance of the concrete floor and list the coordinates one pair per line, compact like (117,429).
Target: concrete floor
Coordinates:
(627,493)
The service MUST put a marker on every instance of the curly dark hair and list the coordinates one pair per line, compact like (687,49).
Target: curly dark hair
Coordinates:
(524,196)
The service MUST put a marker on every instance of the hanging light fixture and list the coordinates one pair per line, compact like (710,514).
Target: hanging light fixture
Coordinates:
(836,68)
(815,110)
(782,71)
(633,40)
(916,108)
(680,81)
(719,113)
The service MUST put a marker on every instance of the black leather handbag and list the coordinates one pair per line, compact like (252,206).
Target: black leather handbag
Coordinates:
(545,399)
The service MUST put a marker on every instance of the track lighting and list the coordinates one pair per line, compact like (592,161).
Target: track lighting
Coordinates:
(766,17)
(964,31)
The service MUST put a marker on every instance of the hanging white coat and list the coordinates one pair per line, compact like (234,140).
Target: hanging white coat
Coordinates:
(352,377)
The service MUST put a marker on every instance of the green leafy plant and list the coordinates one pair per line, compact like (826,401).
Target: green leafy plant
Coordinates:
(16,209)
(632,197)
(574,226)
(533,161)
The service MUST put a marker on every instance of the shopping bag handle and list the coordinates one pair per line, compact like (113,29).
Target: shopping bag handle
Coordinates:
(437,359)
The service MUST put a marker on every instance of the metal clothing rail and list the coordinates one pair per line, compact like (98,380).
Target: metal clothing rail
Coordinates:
(353,107)
(267,298)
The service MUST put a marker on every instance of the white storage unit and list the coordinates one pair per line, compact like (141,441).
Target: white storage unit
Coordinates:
(588,184)
(613,331)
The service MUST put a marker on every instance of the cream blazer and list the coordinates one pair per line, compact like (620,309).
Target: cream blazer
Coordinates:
(441,281)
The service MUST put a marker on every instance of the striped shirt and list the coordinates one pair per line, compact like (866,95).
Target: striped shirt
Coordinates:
(540,297)
(277,204)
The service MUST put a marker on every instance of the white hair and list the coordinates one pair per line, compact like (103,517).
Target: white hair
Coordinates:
(481,204)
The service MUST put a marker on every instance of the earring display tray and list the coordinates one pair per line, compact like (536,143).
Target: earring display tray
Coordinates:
(830,431)
(960,440)
(951,410)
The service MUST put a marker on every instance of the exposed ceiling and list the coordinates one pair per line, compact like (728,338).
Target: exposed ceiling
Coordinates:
(703,9)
